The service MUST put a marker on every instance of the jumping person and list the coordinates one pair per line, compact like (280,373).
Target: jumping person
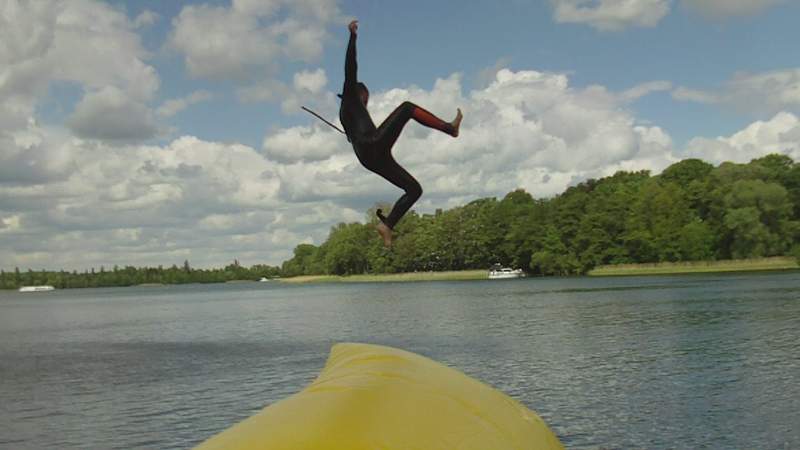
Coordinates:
(373,146)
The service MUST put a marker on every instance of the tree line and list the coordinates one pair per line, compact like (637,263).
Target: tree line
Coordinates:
(131,276)
(691,211)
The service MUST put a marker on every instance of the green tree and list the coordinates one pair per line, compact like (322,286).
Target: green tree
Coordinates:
(480,233)
(758,219)
(600,236)
(684,172)
(303,261)
(656,222)
(696,241)
(553,258)
(749,237)
(524,218)
(344,249)
(777,167)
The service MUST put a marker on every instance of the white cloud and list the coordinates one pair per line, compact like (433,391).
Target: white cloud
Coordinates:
(109,114)
(82,42)
(303,144)
(145,19)
(759,93)
(770,90)
(644,89)
(8,224)
(311,81)
(149,205)
(307,89)
(487,75)
(251,37)
(30,156)
(611,15)
(720,9)
(693,95)
(171,107)
(791,136)
(263,8)
(221,43)
(95,45)
(781,134)
(26,31)
(617,15)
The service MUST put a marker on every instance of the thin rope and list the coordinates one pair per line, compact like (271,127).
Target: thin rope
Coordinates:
(322,119)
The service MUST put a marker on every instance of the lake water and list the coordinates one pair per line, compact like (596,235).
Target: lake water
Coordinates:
(689,362)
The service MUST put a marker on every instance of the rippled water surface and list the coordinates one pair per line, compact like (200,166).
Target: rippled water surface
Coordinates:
(707,361)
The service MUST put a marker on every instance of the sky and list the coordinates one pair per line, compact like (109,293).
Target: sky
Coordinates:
(151,132)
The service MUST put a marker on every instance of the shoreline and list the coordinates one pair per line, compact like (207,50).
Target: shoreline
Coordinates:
(776,263)
(451,275)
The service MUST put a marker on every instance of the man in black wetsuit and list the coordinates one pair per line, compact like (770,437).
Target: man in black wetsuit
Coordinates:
(373,146)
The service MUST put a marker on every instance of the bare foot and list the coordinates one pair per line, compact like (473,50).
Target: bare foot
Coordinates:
(456,123)
(386,234)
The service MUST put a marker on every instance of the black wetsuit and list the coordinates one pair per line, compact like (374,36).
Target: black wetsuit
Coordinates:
(373,145)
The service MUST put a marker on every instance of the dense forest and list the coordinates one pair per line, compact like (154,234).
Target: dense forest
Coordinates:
(691,211)
(131,276)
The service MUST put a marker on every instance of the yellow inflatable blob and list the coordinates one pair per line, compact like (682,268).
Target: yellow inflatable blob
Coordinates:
(370,397)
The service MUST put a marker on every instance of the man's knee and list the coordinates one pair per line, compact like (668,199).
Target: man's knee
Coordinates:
(408,107)
(414,191)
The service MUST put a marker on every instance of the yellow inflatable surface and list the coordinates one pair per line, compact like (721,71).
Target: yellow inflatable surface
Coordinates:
(371,397)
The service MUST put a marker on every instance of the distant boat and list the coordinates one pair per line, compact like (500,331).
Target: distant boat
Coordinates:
(500,273)
(44,288)
(263,279)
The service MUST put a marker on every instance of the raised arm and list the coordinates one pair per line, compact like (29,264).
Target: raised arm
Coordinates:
(350,64)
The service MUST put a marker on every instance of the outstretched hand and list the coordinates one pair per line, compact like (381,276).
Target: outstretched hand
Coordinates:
(353,27)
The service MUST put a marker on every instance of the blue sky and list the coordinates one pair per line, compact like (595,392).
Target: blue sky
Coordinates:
(151,131)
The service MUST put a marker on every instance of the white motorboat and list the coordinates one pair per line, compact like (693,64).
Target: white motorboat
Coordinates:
(501,273)
(44,288)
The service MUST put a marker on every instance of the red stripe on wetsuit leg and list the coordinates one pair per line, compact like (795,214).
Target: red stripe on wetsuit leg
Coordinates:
(429,120)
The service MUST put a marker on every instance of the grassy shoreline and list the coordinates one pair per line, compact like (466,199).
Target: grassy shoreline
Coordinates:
(736,265)
(740,265)
(455,275)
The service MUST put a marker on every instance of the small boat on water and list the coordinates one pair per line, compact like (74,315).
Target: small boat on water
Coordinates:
(498,272)
(43,288)
(264,279)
